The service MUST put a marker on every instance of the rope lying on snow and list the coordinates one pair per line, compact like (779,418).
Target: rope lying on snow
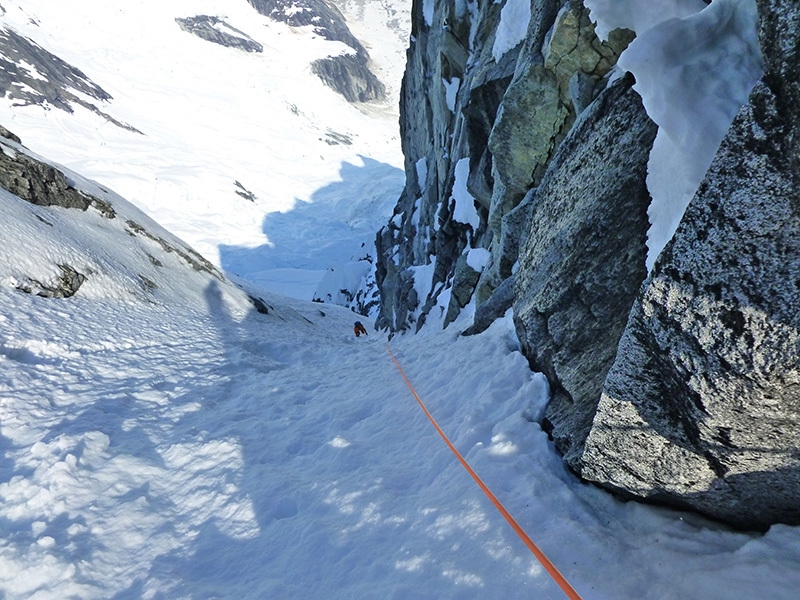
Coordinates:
(540,556)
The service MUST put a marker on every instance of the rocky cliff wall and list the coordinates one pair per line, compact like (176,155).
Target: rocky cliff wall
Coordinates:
(488,95)
(702,406)
(526,164)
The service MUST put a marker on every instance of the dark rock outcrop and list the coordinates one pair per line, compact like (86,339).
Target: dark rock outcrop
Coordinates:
(681,387)
(348,74)
(43,184)
(448,109)
(29,74)
(216,30)
(65,286)
(583,258)
(702,406)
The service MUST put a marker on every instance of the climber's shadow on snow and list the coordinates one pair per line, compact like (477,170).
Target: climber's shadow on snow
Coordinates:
(233,412)
(327,230)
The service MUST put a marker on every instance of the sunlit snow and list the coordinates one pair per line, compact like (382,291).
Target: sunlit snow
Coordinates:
(211,116)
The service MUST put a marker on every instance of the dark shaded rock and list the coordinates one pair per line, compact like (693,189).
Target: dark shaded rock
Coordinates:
(333,138)
(65,286)
(244,192)
(437,131)
(499,302)
(260,306)
(216,30)
(702,406)
(584,258)
(42,184)
(29,74)
(9,135)
(348,74)
(465,279)
(505,251)
(189,256)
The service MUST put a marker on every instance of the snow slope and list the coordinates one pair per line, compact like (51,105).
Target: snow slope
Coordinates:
(211,117)
(175,443)
(156,452)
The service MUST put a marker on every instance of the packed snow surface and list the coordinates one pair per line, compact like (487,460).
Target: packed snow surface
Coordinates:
(152,451)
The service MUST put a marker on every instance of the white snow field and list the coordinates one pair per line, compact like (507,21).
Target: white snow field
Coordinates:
(211,116)
(165,452)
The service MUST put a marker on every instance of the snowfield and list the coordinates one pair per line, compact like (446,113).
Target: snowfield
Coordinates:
(153,451)
(214,122)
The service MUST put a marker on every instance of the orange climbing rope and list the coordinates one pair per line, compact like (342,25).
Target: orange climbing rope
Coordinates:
(550,567)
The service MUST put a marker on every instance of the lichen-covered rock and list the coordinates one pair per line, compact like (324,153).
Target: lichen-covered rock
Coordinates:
(583,260)
(538,108)
(504,110)
(702,406)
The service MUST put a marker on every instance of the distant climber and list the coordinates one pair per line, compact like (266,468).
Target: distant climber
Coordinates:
(358,329)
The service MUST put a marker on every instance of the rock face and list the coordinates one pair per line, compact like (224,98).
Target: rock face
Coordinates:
(29,74)
(348,74)
(680,387)
(214,29)
(583,258)
(42,184)
(702,406)
(502,110)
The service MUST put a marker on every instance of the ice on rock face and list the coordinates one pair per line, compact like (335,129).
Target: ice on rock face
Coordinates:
(694,66)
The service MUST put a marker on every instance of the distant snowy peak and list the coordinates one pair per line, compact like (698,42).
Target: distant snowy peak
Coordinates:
(326,19)
(349,73)
(215,29)
(29,74)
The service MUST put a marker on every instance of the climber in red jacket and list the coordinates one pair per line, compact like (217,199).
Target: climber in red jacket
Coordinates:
(358,329)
